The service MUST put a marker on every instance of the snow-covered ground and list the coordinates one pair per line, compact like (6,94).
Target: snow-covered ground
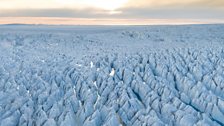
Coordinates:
(111,75)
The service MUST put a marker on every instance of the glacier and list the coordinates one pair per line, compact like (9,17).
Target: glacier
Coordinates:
(167,75)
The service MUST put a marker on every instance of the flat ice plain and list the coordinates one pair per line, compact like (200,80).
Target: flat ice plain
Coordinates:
(111,75)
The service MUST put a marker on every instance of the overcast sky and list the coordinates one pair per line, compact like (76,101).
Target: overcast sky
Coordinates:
(114,9)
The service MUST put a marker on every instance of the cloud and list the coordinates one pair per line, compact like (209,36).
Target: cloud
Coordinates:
(176,3)
(176,13)
(74,4)
(66,4)
(125,13)
(216,4)
(83,13)
(141,9)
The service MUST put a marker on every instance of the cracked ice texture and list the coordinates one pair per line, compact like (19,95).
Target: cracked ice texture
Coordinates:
(111,75)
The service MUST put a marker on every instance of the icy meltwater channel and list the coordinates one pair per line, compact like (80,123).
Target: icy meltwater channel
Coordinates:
(111,75)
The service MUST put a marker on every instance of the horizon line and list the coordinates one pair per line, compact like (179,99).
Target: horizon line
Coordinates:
(103,21)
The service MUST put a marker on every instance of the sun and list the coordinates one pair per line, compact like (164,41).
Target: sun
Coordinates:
(110,5)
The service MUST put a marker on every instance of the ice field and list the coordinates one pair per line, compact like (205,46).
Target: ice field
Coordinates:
(112,75)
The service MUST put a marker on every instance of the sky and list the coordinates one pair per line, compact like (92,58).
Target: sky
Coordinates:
(118,11)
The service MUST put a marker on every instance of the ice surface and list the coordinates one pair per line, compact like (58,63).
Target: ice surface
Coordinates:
(111,75)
